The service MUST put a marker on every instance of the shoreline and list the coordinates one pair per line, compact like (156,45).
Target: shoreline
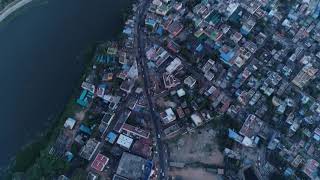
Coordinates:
(45,138)
(35,146)
(12,7)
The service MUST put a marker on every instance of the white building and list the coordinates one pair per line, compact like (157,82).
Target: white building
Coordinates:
(168,116)
(173,66)
(70,122)
(181,92)
(190,81)
(197,120)
(124,141)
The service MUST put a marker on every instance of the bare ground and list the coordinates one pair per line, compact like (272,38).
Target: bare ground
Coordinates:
(197,147)
(193,174)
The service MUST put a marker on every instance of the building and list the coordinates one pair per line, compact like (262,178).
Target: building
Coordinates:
(251,5)
(297,161)
(316,135)
(163,9)
(251,127)
(134,167)
(174,65)
(101,90)
(169,80)
(112,100)
(135,131)
(89,87)
(311,169)
(174,47)
(236,37)
(209,69)
(105,122)
(125,141)
(150,22)
(180,112)
(111,137)
(168,116)
(247,26)
(190,81)
(117,177)
(121,120)
(308,72)
(175,28)
(142,147)
(181,92)
(70,122)
(235,136)
(63,141)
(89,149)
(127,85)
(171,130)
(197,119)
(92,176)
(85,98)
(99,162)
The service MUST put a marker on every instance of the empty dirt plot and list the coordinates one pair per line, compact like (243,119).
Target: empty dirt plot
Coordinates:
(198,147)
(193,174)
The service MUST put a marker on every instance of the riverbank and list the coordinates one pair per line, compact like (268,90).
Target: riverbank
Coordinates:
(12,7)
(34,153)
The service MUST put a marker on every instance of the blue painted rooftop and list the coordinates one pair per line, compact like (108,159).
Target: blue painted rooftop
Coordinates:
(226,56)
(83,100)
(232,134)
(150,22)
(85,129)
(111,137)
(199,48)
(160,31)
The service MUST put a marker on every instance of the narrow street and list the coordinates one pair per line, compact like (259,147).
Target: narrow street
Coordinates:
(140,46)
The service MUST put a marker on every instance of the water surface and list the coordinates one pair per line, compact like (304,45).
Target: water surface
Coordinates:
(40,62)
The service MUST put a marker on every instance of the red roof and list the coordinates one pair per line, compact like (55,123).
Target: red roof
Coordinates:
(99,162)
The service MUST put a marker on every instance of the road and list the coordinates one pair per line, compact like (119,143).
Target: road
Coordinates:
(140,45)
(12,7)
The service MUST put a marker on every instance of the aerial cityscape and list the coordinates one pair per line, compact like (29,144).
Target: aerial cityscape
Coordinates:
(189,90)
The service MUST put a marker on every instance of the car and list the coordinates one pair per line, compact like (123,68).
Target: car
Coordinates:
(159,136)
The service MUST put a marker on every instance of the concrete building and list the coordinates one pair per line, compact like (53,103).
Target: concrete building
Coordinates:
(125,141)
(70,122)
(197,119)
(134,167)
(190,81)
(99,162)
(307,73)
(174,65)
(89,149)
(168,116)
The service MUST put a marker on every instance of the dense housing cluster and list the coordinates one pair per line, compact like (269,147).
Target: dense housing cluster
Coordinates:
(239,78)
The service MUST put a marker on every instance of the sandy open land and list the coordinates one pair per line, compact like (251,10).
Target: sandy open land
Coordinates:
(197,147)
(193,174)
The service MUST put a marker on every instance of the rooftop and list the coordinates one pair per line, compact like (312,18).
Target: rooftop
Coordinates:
(133,167)
(124,141)
(99,162)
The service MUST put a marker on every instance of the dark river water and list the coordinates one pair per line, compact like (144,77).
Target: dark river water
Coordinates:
(41,62)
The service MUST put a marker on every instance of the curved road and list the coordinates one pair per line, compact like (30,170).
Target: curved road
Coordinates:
(12,7)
